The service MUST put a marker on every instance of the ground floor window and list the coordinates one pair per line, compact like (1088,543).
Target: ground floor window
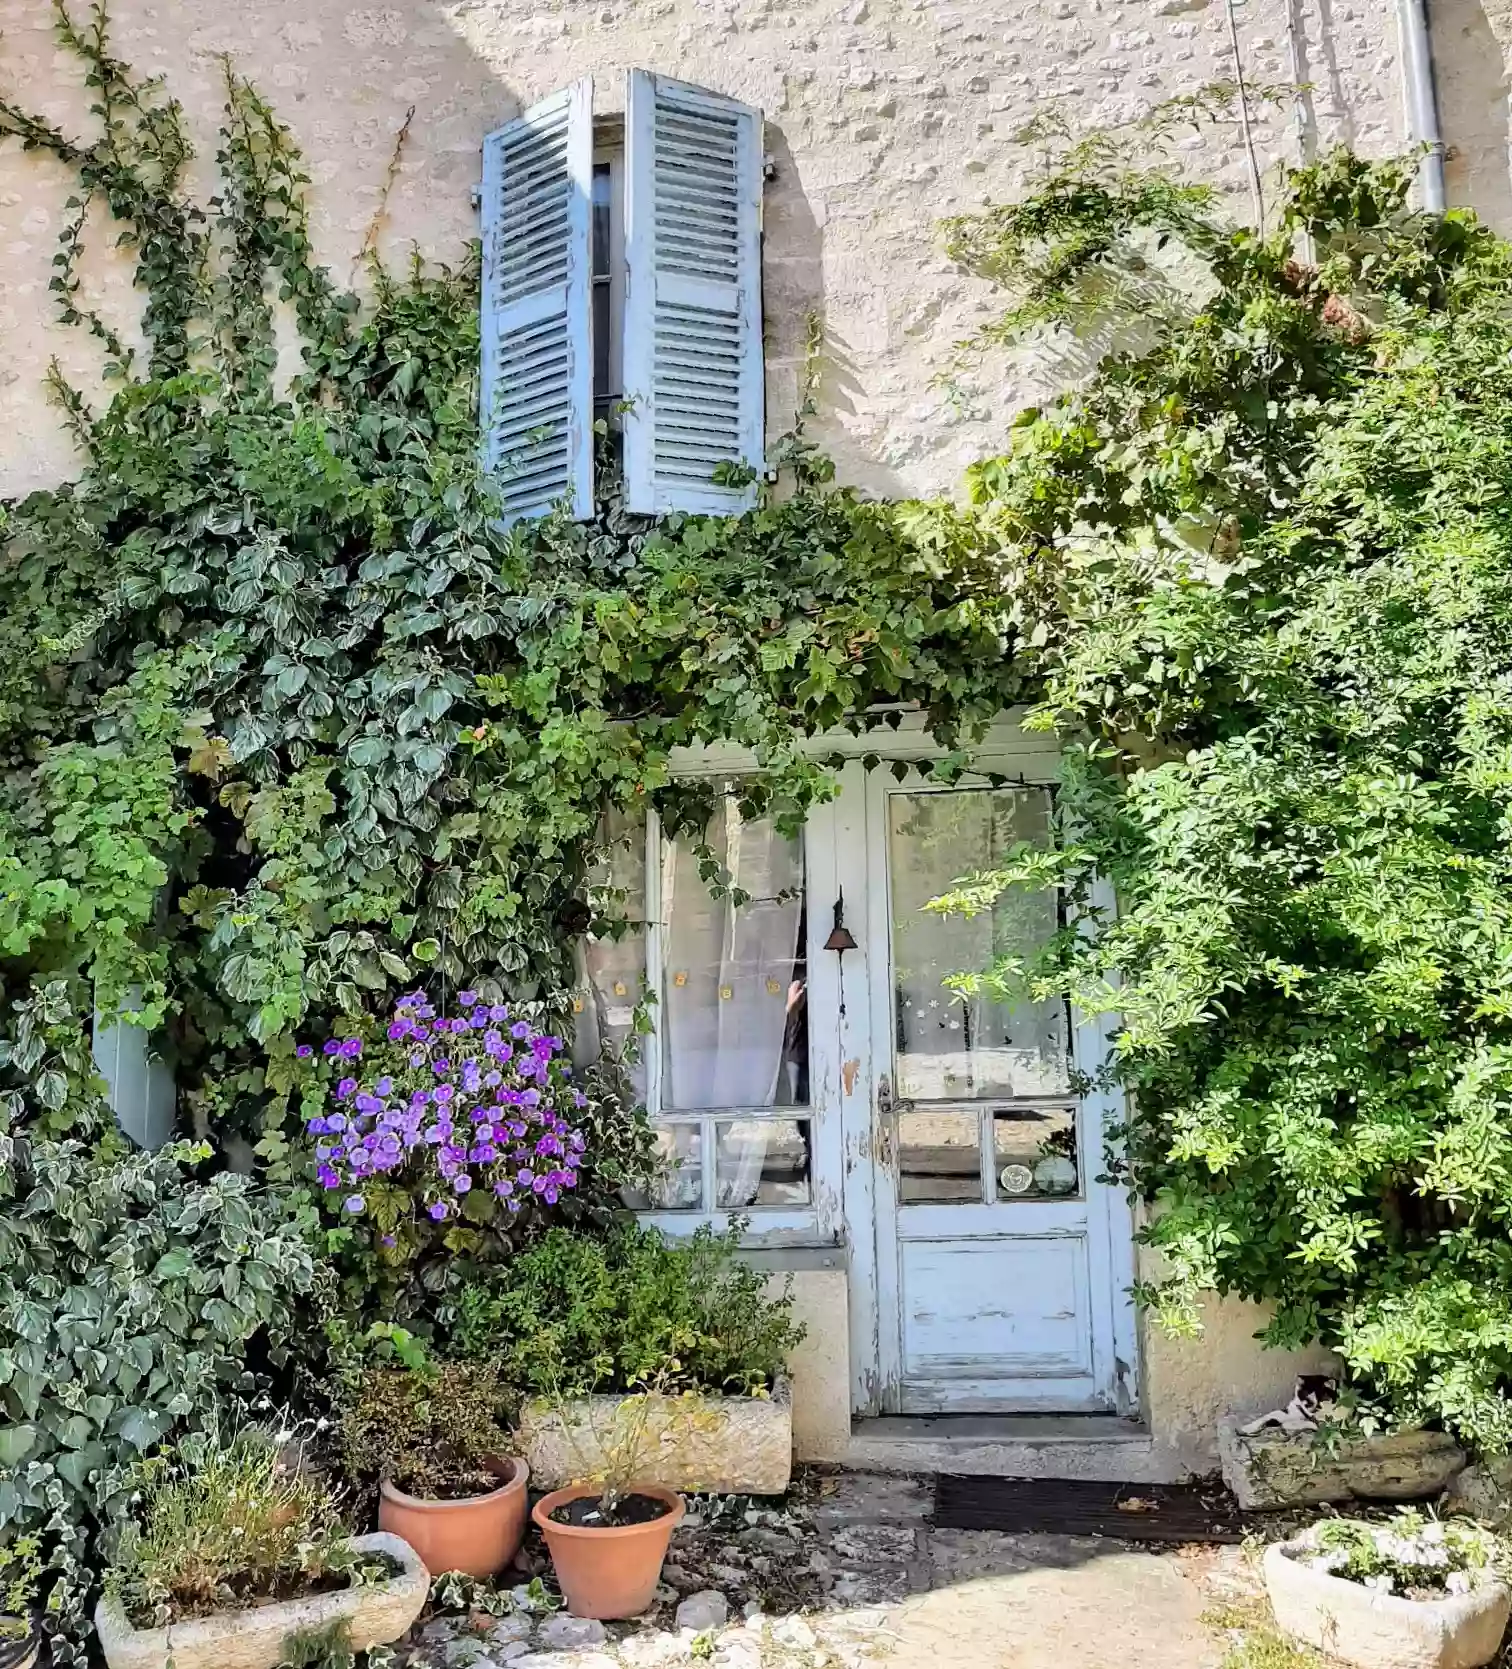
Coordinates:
(727,1072)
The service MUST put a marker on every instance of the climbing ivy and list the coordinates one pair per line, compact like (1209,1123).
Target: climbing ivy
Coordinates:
(288,720)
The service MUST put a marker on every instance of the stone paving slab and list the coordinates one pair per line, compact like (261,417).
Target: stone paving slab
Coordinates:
(848,1572)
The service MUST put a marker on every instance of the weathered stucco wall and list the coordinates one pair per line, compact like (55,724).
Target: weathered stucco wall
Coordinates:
(884,115)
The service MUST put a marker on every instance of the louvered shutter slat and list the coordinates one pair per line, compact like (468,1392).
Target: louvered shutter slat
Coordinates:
(693,361)
(537,374)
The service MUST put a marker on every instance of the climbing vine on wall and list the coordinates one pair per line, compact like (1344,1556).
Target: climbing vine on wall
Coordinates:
(288,722)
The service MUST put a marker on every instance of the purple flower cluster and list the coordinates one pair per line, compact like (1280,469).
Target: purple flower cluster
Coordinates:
(452,1103)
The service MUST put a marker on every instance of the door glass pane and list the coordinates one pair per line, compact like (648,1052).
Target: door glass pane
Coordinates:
(762,1162)
(612,971)
(950,1049)
(735,976)
(1034,1153)
(939,1156)
(678,1185)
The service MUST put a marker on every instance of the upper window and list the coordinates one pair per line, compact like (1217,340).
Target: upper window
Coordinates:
(624,277)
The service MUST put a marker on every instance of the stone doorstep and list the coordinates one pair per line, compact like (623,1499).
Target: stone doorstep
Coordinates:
(1100,1447)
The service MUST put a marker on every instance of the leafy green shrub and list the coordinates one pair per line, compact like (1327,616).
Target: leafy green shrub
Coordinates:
(134,1301)
(430,1429)
(228,1523)
(630,1309)
(20,1579)
(1269,564)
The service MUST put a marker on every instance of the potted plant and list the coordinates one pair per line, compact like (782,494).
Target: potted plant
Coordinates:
(579,1321)
(433,1433)
(1408,1593)
(608,1533)
(236,1550)
(20,1574)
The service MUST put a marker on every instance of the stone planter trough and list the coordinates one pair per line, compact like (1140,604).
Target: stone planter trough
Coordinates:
(1272,1468)
(255,1637)
(736,1446)
(1382,1631)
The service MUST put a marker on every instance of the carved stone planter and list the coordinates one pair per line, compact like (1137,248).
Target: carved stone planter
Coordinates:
(737,1446)
(255,1637)
(1382,1631)
(1272,1468)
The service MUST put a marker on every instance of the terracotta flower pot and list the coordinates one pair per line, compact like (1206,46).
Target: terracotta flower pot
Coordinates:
(612,1571)
(475,1534)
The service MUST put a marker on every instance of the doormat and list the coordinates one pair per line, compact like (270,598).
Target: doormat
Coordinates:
(1074,1507)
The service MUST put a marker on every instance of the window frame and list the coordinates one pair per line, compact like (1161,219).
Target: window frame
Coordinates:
(817,1223)
(609,151)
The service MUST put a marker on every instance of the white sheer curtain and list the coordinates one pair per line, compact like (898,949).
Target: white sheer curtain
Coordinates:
(729,971)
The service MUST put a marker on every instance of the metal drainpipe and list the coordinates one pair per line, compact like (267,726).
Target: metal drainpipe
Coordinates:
(1422,104)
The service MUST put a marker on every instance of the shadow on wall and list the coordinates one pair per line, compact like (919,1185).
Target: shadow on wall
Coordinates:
(1470,72)
(340,78)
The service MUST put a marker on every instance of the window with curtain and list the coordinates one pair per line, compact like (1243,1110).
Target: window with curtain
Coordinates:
(729,1082)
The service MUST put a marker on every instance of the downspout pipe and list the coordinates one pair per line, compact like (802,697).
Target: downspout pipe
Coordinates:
(1422,101)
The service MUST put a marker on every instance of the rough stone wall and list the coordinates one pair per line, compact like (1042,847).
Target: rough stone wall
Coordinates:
(884,115)
(1472,47)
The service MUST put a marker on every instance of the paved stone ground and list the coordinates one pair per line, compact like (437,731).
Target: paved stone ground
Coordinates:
(847,1572)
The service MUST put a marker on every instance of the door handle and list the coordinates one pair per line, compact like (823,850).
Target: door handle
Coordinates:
(889,1110)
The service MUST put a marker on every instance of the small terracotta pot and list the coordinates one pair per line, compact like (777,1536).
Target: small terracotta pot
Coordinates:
(610,1572)
(475,1534)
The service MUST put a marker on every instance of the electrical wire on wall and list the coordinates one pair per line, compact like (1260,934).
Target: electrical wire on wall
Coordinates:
(1246,126)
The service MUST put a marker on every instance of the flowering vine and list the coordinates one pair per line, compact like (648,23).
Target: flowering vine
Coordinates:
(448,1104)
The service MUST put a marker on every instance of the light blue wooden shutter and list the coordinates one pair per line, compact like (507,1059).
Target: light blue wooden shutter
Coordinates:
(537,378)
(138,1085)
(692,348)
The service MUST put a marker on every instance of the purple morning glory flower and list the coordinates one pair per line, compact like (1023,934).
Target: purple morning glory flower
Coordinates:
(354,1202)
(352,1048)
(467,998)
(550,1195)
(327,1176)
(384,1086)
(304,1051)
(498,1012)
(445,1092)
(519,1029)
(438,1211)
(462,1183)
(396,1031)
(316,1126)
(386,1240)
(330,1046)
(345,1088)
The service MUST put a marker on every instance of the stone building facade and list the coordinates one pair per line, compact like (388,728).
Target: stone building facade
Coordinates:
(880,118)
